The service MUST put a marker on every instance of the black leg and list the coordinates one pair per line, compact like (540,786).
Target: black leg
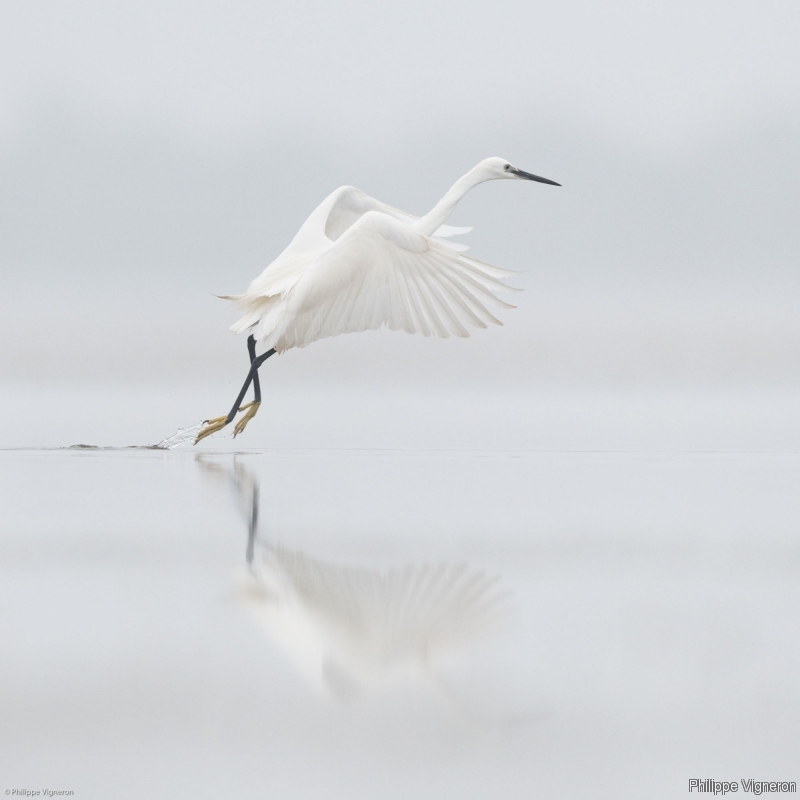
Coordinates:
(251,348)
(218,423)
(254,365)
(253,526)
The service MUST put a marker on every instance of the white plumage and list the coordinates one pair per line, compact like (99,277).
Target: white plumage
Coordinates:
(358,264)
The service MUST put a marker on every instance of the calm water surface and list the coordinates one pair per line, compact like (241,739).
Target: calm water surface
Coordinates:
(397,624)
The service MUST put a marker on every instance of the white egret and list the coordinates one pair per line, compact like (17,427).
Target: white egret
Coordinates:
(357,264)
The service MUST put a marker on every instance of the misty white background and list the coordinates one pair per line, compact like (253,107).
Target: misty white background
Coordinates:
(154,154)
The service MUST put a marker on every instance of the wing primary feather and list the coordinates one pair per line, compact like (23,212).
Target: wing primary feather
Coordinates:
(458,297)
(421,307)
(493,269)
(430,304)
(470,298)
(482,291)
(450,314)
(398,319)
(407,300)
(488,281)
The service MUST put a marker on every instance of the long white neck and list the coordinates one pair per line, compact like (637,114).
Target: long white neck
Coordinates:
(439,214)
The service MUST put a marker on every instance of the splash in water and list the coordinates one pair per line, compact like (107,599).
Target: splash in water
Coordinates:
(180,437)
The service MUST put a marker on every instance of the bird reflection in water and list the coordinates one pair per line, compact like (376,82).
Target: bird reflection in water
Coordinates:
(351,630)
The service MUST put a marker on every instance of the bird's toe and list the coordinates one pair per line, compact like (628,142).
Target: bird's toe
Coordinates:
(252,410)
(212,426)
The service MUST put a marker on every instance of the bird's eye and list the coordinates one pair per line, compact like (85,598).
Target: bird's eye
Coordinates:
(507,167)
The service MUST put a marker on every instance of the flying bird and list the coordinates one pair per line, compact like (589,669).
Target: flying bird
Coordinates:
(357,264)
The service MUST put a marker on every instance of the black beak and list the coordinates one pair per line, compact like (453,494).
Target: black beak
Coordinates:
(528,177)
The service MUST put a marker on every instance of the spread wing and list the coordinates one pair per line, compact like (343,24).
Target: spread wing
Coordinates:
(378,272)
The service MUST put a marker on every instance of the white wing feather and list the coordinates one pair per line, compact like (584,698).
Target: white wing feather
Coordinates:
(357,264)
(379,272)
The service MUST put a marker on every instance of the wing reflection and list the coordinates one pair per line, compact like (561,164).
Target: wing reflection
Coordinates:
(350,629)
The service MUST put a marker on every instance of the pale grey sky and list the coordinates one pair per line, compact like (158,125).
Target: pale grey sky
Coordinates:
(657,71)
(156,153)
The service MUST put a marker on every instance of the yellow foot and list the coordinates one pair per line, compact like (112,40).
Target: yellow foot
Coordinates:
(252,410)
(212,426)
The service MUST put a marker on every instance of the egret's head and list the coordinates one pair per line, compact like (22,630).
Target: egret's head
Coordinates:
(497,168)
